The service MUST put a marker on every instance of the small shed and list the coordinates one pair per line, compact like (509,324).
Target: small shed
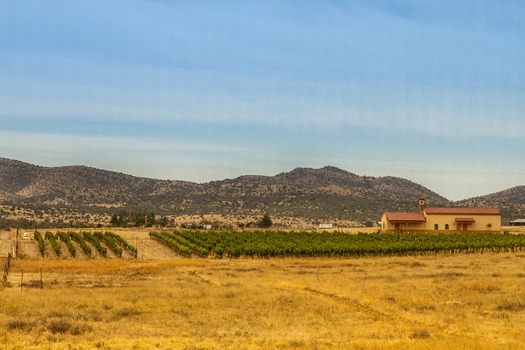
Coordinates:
(518,222)
(325,226)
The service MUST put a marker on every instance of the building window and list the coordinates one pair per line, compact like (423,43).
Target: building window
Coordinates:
(446,226)
(436,226)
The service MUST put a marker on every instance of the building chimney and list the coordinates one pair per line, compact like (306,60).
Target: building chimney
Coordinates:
(421,204)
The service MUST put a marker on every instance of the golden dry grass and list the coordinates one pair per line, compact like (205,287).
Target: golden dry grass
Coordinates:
(514,229)
(432,302)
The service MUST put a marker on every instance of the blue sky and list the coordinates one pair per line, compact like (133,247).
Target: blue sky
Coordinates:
(432,91)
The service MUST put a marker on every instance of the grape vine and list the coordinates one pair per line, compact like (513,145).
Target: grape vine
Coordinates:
(66,238)
(80,239)
(324,244)
(96,242)
(54,243)
(41,243)
(123,243)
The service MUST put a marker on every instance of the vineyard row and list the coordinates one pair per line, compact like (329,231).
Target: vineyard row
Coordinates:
(324,244)
(99,240)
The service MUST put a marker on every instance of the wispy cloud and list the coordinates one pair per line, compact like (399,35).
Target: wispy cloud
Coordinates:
(182,63)
(258,87)
(53,142)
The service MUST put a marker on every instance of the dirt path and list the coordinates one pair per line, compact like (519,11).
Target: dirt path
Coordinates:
(65,253)
(49,252)
(80,254)
(354,304)
(148,248)
(28,249)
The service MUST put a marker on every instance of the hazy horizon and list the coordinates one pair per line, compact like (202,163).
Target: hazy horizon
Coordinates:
(433,92)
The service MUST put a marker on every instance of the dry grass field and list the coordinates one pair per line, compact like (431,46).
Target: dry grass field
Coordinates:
(430,302)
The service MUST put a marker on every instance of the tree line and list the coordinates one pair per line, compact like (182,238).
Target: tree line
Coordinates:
(138,219)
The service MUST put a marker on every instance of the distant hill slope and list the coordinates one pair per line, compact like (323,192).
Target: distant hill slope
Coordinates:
(75,185)
(510,201)
(323,193)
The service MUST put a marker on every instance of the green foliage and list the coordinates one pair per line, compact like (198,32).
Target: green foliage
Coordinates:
(123,243)
(110,242)
(96,242)
(54,243)
(66,238)
(265,222)
(173,241)
(324,244)
(134,219)
(80,239)
(115,242)
(41,243)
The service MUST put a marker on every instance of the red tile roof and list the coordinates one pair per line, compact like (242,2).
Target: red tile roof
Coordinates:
(463,211)
(405,217)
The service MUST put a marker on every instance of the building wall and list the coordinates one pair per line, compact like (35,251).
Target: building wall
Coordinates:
(480,224)
(390,227)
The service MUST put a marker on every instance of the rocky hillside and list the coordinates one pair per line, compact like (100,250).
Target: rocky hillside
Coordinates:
(326,193)
(511,202)
(76,185)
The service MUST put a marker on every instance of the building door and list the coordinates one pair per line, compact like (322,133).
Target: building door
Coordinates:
(398,228)
(462,227)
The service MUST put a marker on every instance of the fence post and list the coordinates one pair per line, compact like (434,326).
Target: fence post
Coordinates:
(16,253)
(7,267)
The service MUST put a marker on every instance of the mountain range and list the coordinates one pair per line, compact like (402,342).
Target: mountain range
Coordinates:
(325,193)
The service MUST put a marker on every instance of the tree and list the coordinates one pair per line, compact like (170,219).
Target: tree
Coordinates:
(115,220)
(265,222)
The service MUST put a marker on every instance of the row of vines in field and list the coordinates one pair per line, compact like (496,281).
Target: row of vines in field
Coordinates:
(99,240)
(325,244)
